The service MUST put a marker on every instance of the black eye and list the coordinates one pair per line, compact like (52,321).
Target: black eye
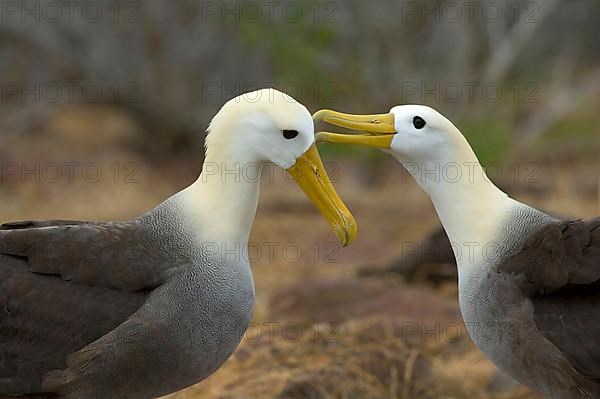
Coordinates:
(289,134)
(419,122)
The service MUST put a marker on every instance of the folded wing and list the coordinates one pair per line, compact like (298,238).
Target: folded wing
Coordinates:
(63,285)
(560,270)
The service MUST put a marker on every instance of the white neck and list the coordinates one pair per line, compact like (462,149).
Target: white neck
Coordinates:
(222,202)
(470,207)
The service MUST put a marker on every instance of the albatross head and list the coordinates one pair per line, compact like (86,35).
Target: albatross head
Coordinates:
(264,125)
(270,126)
(440,159)
(412,133)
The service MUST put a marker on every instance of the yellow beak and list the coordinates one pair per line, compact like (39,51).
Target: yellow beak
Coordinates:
(379,129)
(310,174)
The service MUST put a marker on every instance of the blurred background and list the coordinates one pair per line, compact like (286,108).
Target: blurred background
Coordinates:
(104,108)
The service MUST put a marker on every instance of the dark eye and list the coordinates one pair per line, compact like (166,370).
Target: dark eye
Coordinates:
(289,134)
(419,122)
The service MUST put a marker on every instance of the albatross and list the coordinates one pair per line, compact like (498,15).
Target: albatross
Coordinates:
(529,284)
(143,308)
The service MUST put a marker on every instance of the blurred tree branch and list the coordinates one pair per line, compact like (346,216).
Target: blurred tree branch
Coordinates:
(185,62)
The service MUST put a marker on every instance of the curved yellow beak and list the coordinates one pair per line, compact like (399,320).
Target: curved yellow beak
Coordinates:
(310,174)
(379,129)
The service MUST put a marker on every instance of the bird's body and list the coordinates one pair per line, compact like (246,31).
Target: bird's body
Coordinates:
(532,305)
(529,284)
(71,293)
(143,308)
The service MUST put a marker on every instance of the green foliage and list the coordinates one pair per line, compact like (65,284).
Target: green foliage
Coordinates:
(489,137)
(582,125)
(295,47)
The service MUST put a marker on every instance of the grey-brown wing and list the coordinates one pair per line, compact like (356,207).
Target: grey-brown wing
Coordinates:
(43,319)
(560,268)
(63,285)
(117,255)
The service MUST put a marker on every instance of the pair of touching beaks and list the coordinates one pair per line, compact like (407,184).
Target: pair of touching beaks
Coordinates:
(309,172)
(377,130)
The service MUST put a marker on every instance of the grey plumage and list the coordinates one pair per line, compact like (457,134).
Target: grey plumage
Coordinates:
(133,309)
(533,311)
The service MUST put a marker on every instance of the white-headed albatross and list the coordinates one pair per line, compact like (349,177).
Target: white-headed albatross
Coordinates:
(142,308)
(529,284)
